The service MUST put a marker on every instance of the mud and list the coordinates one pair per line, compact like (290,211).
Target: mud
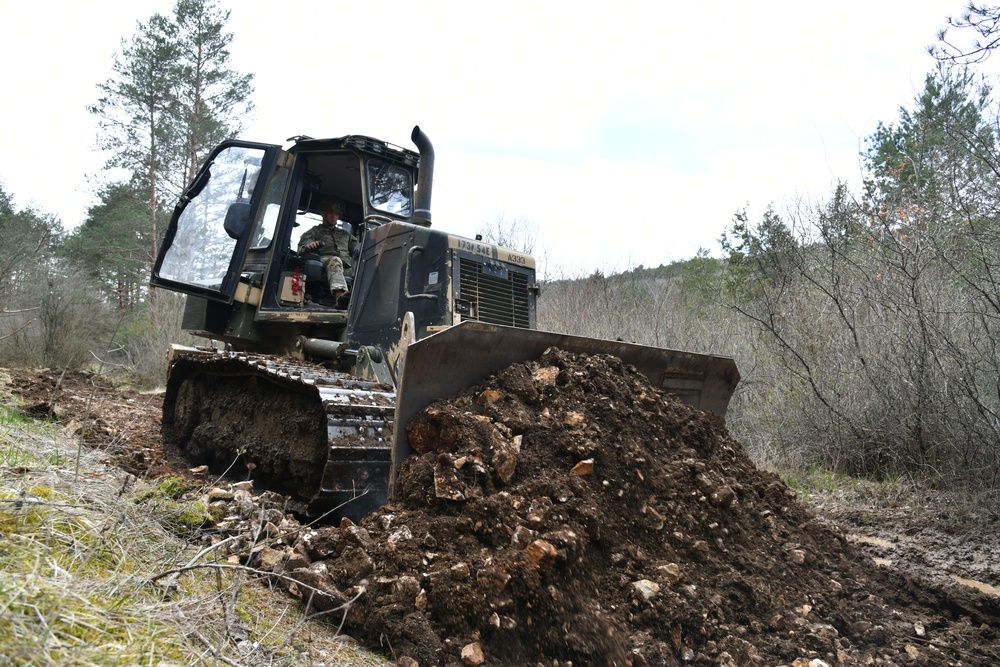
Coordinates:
(103,412)
(218,420)
(564,512)
(947,539)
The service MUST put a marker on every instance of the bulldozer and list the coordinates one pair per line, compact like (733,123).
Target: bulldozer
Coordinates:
(309,396)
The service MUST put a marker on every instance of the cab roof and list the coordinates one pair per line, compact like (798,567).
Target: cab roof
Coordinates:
(361,143)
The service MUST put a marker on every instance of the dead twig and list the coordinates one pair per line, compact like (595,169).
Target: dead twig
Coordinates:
(216,653)
(55,393)
(19,330)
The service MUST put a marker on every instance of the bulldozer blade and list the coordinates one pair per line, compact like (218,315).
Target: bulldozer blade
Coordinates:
(461,356)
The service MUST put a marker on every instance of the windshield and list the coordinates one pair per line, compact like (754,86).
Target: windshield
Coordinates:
(213,221)
(390,187)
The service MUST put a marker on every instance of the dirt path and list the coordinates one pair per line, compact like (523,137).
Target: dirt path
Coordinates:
(949,541)
(621,528)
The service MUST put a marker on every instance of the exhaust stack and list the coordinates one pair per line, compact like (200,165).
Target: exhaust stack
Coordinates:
(425,179)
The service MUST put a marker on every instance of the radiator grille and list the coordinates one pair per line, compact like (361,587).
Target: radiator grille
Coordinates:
(494,300)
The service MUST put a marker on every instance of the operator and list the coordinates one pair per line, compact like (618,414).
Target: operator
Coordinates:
(333,244)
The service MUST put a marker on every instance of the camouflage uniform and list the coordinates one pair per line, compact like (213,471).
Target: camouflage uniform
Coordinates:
(338,246)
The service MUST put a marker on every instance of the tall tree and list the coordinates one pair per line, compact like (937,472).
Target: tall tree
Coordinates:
(940,149)
(211,98)
(136,104)
(171,98)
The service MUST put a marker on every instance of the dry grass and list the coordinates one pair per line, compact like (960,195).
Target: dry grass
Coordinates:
(78,557)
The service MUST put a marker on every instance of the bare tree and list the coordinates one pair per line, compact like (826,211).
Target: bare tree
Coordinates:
(519,233)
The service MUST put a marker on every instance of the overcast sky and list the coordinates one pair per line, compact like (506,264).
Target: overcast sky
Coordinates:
(628,132)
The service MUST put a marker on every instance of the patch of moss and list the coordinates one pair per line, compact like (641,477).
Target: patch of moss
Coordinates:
(243,615)
(43,492)
(171,488)
(185,517)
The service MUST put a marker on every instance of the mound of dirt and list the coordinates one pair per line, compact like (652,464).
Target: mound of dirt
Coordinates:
(564,512)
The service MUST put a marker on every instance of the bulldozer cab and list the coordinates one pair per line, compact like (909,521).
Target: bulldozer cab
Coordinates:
(250,203)
(233,247)
(232,242)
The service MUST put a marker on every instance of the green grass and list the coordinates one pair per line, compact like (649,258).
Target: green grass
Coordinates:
(894,492)
(12,420)
(12,456)
(73,591)
(12,416)
(816,479)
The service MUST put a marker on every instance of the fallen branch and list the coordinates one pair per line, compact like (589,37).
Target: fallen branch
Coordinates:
(363,585)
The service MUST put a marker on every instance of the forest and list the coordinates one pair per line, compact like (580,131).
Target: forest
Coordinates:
(865,324)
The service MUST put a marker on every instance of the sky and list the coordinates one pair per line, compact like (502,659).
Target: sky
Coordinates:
(626,133)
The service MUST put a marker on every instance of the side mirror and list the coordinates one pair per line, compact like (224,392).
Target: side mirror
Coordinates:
(237,219)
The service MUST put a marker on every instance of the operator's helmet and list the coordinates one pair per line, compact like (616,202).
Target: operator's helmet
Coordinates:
(333,205)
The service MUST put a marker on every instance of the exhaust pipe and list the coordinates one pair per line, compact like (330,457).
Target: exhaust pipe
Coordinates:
(425,179)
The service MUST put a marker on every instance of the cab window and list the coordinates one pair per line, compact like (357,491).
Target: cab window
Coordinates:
(390,187)
(264,231)
(206,237)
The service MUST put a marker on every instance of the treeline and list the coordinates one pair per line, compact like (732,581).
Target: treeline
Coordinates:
(65,307)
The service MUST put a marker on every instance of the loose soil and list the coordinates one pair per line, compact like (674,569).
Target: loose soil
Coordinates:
(565,512)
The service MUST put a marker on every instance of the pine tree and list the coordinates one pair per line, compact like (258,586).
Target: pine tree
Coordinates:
(136,103)
(211,98)
(172,97)
(113,245)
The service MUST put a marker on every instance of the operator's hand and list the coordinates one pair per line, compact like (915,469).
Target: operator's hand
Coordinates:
(314,245)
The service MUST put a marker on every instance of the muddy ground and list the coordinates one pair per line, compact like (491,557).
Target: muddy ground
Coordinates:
(563,512)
